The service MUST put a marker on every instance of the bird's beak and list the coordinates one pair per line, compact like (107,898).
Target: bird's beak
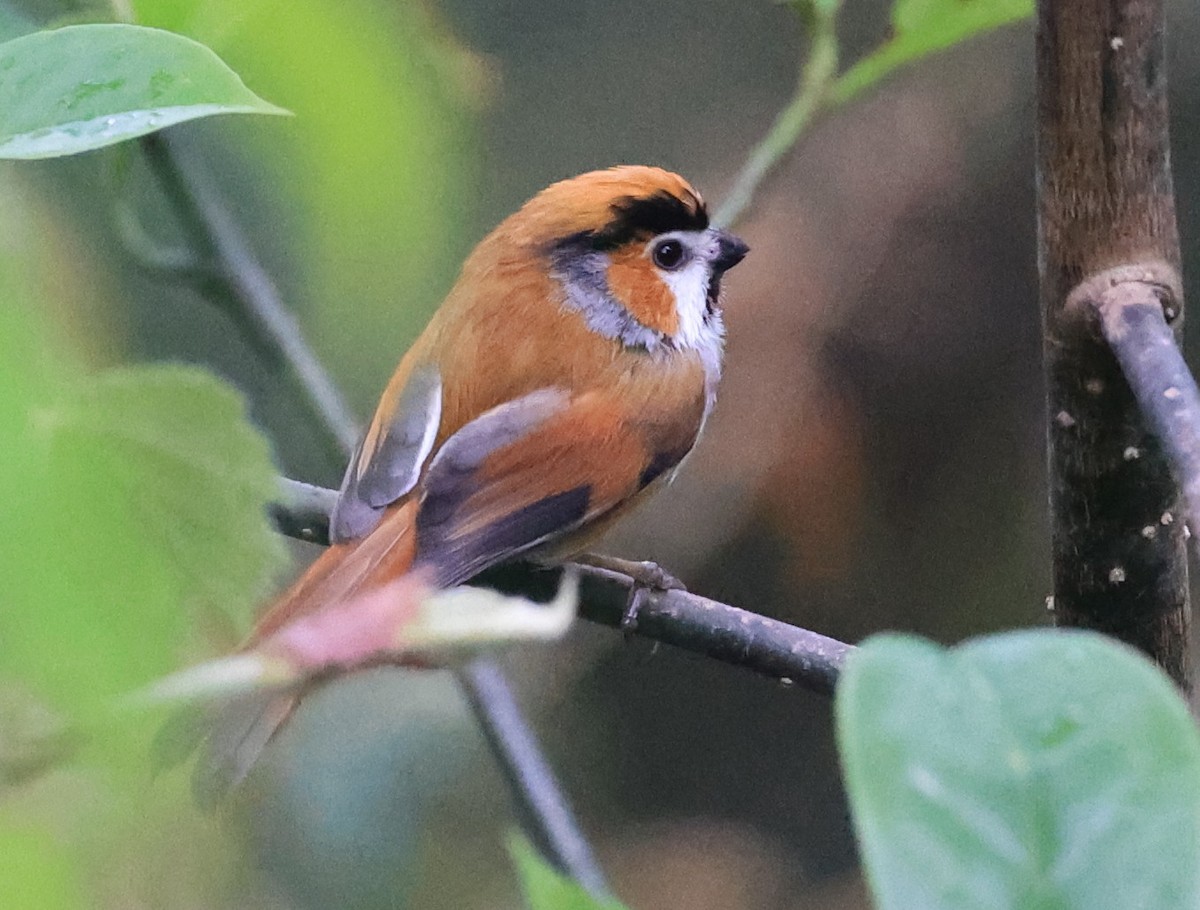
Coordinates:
(730,251)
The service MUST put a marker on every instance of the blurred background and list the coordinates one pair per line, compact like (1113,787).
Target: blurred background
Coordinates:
(875,460)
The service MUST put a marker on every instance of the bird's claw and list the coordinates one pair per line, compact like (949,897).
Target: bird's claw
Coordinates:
(653,576)
(647,577)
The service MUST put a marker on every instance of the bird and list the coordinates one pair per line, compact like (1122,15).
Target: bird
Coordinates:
(565,377)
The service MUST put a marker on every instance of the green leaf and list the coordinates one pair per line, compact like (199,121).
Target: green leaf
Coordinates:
(133,494)
(547,889)
(83,87)
(92,607)
(38,870)
(193,474)
(921,28)
(1028,770)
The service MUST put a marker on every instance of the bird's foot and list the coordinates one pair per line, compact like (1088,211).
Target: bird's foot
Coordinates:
(648,577)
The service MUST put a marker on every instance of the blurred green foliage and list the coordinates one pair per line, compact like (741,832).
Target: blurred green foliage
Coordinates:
(1027,770)
(128,498)
(924,27)
(133,499)
(36,874)
(378,161)
(547,889)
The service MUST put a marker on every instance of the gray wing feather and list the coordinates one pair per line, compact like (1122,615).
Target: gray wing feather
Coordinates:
(503,425)
(452,479)
(394,467)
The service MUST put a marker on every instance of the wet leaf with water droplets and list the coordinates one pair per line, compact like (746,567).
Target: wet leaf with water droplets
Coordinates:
(83,87)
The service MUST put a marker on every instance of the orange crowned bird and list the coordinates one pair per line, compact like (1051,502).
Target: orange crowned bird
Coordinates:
(565,376)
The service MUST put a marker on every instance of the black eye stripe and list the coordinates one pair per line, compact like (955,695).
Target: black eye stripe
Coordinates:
(640,218)
(656,214)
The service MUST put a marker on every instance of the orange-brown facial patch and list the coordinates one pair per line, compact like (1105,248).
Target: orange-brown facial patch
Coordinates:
(636,284)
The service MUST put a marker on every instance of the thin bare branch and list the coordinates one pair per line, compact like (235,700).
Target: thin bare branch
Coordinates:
(1135,307)
(1165,390)
(251,292)
(728,634)
(543,812)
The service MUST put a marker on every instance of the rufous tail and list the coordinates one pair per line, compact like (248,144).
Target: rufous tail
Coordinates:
(242,728)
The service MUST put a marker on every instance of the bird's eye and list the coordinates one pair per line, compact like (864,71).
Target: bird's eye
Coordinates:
(668,254)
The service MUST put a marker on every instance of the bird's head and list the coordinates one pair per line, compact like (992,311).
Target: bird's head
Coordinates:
(634,255)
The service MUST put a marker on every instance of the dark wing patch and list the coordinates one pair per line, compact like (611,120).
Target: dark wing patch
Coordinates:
(531,474)
(456,558)
(389,459)
(453,478)
(659,464)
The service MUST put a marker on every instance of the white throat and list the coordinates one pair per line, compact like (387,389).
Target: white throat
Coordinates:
(701,327)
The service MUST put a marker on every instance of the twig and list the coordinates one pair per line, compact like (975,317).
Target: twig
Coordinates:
(542,812)
(738,637)
(252,293)
(542,806)
(540,803)
(816,76)
(1106,206)
(155,259)
(731,635)
(1135,307)
(302,510)
(1165,390)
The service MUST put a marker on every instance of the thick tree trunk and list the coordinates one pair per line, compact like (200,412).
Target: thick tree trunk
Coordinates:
(1108,240)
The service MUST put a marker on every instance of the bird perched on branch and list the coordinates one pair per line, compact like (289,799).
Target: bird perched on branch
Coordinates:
(565,377)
